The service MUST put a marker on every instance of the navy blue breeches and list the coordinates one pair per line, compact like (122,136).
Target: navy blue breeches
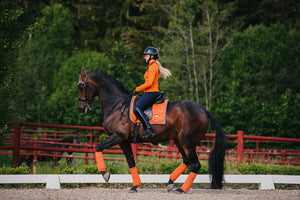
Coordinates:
(146,100)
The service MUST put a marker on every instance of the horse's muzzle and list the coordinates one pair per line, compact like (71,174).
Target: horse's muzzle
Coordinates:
(85,108)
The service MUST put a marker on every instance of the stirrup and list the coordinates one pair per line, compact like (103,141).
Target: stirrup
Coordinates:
(148,133)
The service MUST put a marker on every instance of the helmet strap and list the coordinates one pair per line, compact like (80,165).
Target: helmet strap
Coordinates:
(150,58)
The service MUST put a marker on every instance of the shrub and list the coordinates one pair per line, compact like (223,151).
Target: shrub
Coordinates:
(258,168)
(167,168)
(18,170)
(93,169)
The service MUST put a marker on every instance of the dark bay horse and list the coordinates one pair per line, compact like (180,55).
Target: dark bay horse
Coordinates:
(64,144)
(186,124)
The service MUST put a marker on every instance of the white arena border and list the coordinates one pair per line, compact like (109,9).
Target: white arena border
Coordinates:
(53,181)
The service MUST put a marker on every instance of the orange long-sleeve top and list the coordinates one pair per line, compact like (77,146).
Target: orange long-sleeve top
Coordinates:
(151,79)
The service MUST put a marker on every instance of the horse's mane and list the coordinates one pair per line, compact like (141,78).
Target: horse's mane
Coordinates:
(98,76)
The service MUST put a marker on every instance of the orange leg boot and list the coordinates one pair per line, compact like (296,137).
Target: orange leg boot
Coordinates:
(188,183)
(101,166)
(175,174)
(135,178)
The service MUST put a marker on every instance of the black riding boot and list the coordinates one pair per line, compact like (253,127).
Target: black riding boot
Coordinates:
(147,128)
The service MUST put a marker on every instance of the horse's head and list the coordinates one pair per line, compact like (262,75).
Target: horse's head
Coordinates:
(87,92)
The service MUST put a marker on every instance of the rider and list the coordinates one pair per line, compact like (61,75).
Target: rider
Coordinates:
(150,88)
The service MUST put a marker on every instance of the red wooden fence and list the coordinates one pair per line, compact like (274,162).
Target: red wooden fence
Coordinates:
(239,155)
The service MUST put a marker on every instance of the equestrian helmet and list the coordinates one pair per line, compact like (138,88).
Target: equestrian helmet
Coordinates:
(151,51)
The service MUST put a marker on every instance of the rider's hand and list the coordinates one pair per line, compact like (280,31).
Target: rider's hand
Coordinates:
(133,93)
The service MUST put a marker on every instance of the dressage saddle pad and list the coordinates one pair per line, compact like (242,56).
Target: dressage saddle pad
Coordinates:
(156,113)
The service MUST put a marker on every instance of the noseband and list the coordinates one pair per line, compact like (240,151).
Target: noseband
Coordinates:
(88,103)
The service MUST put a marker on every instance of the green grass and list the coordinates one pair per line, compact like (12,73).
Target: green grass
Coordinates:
(5,160)
(147,165)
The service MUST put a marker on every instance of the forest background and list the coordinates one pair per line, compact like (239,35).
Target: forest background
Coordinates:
(238,58)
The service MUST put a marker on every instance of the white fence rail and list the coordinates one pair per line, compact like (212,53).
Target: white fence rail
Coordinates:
(265,182)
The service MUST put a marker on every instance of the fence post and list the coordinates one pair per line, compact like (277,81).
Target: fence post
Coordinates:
(86,162)
(86,155)
(35,155)
(283,156)
(45,135)
(94,149)
(240,147)
(16,145)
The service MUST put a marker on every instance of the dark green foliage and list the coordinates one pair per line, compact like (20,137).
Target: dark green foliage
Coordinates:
(90,169)
(258,168)
(18,170)
(64,100)
(15,19)
(167,168)
(256,81)
(38,61)
(255,84)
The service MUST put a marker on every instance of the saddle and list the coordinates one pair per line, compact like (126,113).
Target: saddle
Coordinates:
(155,113)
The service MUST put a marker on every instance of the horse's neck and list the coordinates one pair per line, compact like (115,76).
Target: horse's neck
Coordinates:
(113,106)
(110,102)
(110,93)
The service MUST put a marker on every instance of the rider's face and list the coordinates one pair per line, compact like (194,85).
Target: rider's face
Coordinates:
(146,57)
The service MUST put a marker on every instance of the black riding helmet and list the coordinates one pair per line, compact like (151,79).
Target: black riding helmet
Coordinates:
(151,51)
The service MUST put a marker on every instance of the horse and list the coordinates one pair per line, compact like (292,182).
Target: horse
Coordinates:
(186,124)
(29,158)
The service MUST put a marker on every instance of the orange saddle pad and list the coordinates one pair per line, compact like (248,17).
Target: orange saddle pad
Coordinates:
(158,112)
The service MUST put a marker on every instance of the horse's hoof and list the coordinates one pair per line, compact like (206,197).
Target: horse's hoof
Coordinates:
(178,191)
(133,189)
(106,176)
(170,187)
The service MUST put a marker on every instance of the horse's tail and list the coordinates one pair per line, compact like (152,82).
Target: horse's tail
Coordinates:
(216,158)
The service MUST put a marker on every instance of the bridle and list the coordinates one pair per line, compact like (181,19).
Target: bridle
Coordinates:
(88,103)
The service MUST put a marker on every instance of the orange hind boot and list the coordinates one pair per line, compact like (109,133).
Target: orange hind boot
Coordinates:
(188,182)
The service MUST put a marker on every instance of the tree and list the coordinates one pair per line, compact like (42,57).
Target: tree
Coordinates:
(63,103)
(195,40)
(267,12)
(258,67)
(15,17)
(214,36)
(40,59)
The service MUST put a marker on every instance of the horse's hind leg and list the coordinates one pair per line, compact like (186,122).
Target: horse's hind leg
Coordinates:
(193,161)
(180,169)
(195,166)
(130,160)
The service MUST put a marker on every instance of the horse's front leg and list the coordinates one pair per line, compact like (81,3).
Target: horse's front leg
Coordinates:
(126,147)
(109,142)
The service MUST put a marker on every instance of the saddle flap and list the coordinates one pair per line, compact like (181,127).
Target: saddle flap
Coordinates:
(156,113)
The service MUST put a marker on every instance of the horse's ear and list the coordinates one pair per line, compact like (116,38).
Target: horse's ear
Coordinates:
(83,73)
